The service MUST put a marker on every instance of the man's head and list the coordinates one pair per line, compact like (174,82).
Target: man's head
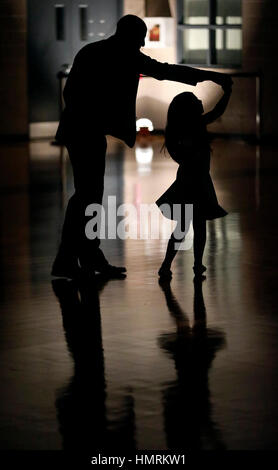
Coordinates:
(132,30)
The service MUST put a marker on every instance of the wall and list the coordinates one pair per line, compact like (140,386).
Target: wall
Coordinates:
(259,52)
(13,66)
(134,7)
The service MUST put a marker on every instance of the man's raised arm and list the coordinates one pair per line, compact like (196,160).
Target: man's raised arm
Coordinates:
(179,73)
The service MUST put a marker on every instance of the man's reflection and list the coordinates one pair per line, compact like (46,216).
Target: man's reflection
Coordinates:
(187,405)
(81,404)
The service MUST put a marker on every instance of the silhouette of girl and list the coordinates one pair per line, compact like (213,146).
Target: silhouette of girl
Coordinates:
(186,140)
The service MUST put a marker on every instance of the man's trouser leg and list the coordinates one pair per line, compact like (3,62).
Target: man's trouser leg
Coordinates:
(88,163)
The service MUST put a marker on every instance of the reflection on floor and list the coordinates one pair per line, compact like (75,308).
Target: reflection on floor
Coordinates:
(134,364)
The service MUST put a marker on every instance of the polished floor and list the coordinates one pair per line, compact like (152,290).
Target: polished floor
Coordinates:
(131,364)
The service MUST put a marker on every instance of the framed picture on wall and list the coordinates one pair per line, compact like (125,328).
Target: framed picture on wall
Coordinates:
(159,33)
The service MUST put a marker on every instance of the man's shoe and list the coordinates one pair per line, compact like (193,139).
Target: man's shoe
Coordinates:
(65,267)
(109,271)
(99,264)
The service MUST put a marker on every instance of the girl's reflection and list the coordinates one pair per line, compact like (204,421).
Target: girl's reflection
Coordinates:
(187,404)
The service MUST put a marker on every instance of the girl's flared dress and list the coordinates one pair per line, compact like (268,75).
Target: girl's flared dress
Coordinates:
(193,185)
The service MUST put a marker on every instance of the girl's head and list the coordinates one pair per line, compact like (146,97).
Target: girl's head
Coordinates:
(184,119)
(184,107)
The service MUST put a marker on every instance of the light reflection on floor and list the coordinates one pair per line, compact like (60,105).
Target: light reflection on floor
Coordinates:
(135,364)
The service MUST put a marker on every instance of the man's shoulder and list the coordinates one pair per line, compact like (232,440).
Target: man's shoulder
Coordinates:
(93,48)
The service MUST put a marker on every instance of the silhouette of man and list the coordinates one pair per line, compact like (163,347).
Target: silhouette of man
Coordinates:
(100,99)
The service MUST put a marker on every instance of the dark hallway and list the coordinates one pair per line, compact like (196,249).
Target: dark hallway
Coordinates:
(129,352)
(104,362)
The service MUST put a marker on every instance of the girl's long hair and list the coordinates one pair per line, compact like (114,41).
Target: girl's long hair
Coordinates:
(184,121)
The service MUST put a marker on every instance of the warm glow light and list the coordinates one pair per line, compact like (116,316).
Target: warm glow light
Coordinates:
(144,122)
(144,155)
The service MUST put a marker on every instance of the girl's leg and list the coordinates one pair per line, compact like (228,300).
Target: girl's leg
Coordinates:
(171,252)
(200,236)
(176,239)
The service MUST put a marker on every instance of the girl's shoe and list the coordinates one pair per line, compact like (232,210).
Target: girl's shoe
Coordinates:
(165,273)
(199,269)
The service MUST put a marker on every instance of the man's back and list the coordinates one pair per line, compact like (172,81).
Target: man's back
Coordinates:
(101,88)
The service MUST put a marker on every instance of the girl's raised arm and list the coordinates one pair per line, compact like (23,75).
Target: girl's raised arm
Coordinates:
(220,107)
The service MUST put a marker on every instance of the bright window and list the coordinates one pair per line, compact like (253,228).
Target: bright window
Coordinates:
(210,32)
